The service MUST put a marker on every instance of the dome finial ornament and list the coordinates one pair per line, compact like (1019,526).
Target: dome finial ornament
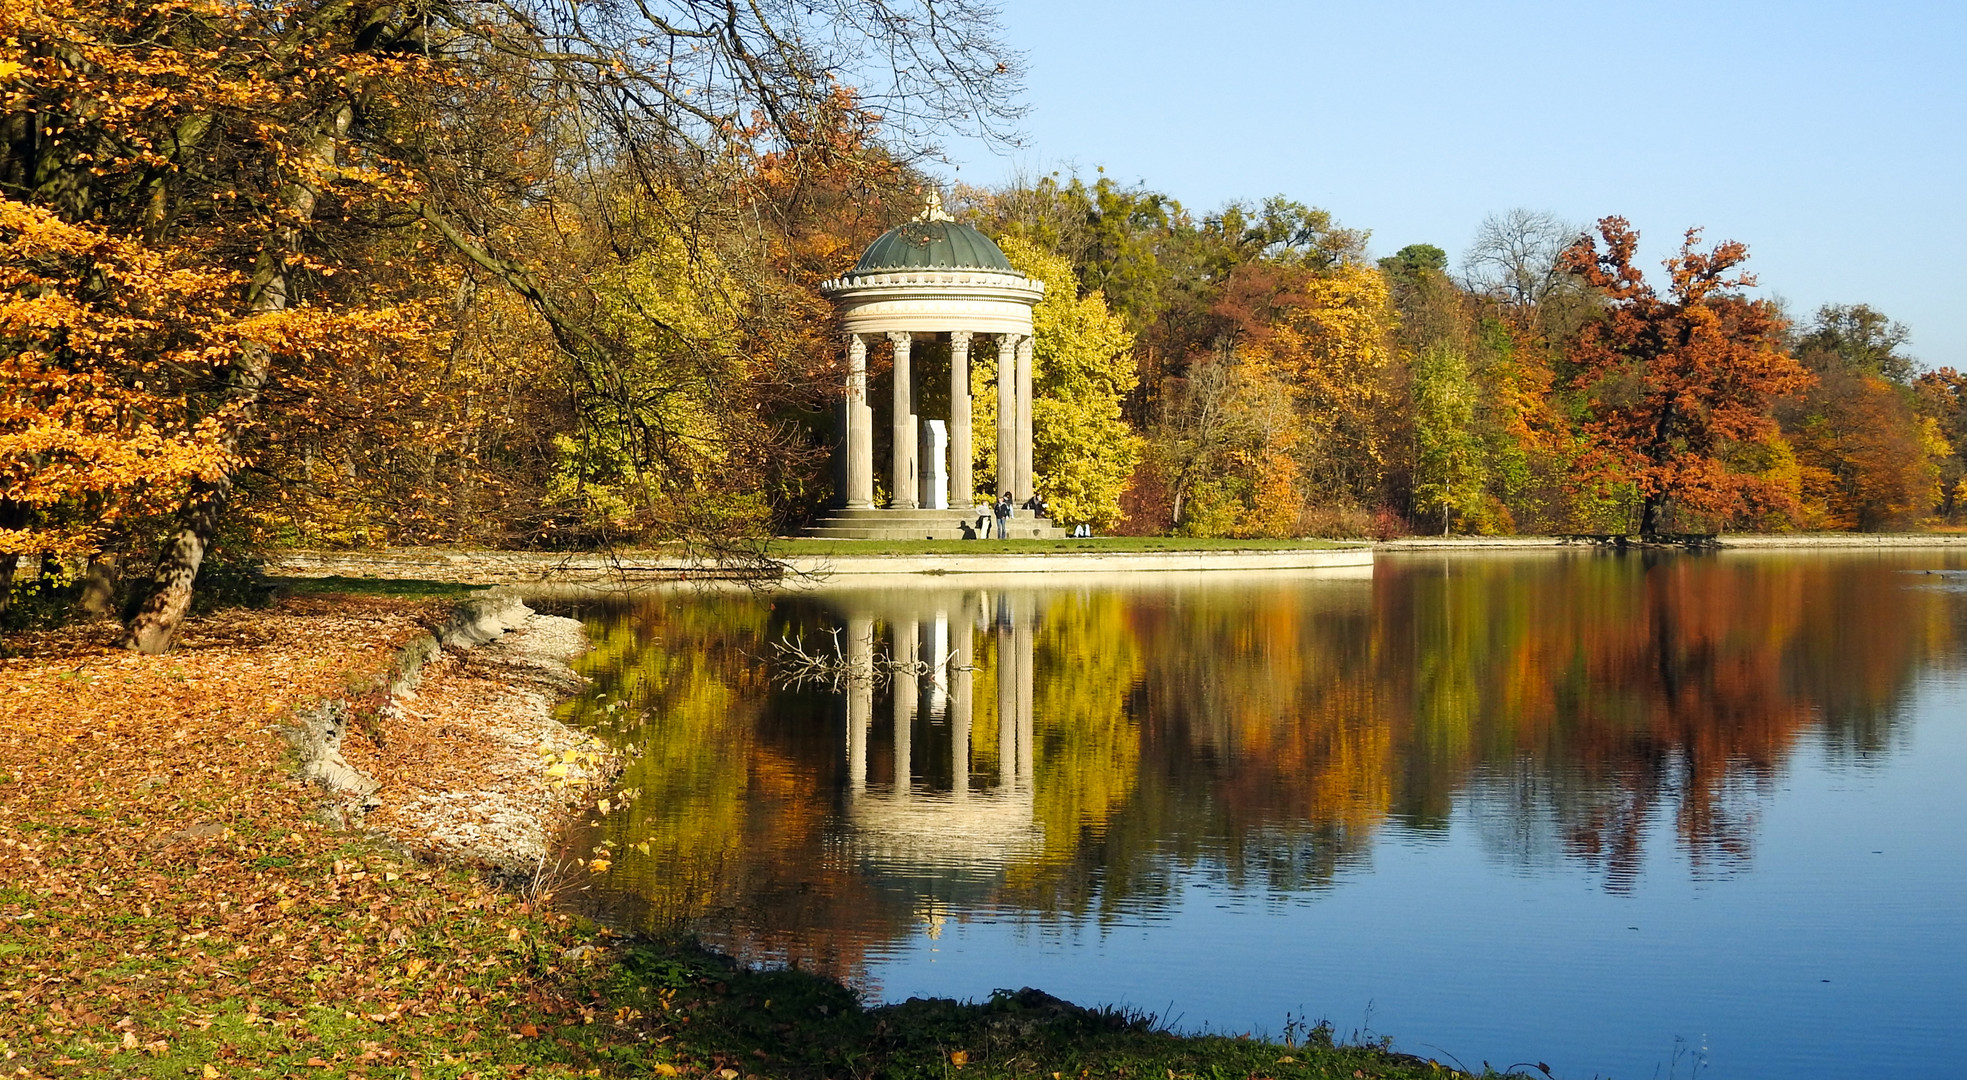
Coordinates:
(932,208)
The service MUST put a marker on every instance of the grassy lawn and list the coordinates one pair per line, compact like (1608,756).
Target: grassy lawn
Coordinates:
(1100,545)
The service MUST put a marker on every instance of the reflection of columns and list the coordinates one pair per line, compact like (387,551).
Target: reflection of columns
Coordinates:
(1007,700)
(859,425)
(906,688)
(901,492)
(1007,415)
(1021,645)
(959,705)
(1025,480)
(860,698)
(962,493)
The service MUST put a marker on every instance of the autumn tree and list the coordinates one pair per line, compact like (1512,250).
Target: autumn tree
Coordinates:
(1858,339)
(194,141)
(1082,368)
(1868,456)
(1325,336)
(1674,381)
(1866,459)
(1449,470)
(1941,396)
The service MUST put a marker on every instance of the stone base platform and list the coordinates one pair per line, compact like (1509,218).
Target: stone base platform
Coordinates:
(925,525)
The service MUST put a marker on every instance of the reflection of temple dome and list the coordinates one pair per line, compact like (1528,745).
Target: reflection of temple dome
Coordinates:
(942,833)
(931,244)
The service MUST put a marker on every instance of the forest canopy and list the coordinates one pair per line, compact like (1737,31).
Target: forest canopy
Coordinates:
(535,273)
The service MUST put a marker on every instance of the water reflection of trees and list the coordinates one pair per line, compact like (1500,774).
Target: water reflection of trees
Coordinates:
(1573,710)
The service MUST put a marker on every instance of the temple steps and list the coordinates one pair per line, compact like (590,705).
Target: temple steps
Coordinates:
(923,525)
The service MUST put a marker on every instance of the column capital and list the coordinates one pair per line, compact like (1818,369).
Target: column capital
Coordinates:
(901,337)
(960,337)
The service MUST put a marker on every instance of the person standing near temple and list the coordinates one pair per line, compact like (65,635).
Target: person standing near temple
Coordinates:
(1003,508)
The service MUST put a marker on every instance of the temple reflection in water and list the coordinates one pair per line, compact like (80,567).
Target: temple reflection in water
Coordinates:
(936,811)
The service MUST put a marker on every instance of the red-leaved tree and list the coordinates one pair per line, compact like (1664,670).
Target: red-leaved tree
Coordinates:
(1677,381)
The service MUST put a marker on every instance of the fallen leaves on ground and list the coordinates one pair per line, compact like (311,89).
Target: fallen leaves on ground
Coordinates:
(170,902)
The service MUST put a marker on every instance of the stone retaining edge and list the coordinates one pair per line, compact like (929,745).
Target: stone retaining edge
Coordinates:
(504,568)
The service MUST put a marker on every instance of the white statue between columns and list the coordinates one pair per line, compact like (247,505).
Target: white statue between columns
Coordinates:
(932,456)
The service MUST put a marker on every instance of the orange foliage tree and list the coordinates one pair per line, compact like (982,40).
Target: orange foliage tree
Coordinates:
(162,168)
(1676,382)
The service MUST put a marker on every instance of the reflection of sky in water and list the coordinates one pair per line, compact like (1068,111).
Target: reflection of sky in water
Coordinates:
(1525,810)
(1838,951)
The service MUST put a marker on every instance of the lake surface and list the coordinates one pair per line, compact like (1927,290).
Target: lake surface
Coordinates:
(1632,816)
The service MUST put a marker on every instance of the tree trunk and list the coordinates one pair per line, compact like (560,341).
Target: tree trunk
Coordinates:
(1657,454)
(13,515)
(98,599)
(1649,516)
(156,623)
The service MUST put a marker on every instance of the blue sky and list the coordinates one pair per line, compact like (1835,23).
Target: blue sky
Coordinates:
(1831,138)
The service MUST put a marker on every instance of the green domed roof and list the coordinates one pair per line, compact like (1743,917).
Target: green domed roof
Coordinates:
(931,245)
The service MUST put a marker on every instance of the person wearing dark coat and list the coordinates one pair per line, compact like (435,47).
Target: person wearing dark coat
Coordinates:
(1004,517)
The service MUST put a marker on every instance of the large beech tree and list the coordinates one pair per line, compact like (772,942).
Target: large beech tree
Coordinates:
(1675,381)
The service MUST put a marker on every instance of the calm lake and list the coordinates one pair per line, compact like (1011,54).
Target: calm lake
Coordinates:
(1633,816)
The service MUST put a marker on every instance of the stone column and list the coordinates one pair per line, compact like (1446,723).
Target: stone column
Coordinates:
(901,490)
(1007,416)
(962,492)
(860,429)
(1025,483)
(860,699)
(907,687)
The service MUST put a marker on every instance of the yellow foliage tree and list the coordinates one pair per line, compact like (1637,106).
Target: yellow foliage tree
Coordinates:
(1330,345)
(1083,451)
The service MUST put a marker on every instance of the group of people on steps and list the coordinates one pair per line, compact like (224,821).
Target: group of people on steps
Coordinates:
(1001,511)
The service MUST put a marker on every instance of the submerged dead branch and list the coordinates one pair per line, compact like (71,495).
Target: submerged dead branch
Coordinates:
(796,667)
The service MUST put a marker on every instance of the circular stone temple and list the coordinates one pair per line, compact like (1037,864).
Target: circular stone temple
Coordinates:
(930,282)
